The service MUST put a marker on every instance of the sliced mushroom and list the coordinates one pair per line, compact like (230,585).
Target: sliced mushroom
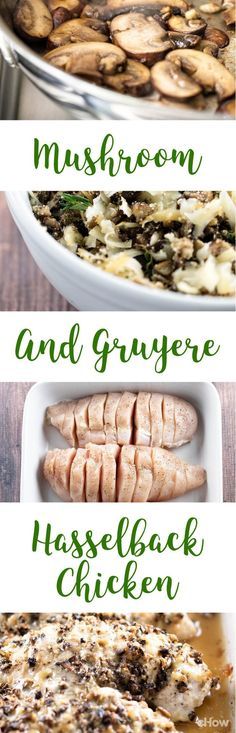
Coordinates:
(112,8)
(208,47)
(182,25)
(72,32)
(215,35)
(170,81)
(228,107)
(206,71)
(183,40)
(230,17)
(141,37)
(88,58)
(60,15)
(72,6)
(134,80)
(32,19)
(210,8)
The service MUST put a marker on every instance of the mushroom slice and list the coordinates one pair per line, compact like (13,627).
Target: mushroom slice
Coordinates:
(73,31)
(134,80)
(170,81)
(117,7)
(210,8)
(230,17)
(140,37)
(72,6)
(32,19)
(206,71)
(228,107)
(208,47)
(215,35)
(182,25)
(183,40)
(88,58)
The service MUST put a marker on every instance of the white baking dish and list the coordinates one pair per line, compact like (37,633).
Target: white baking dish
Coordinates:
(37,437)
(87,287)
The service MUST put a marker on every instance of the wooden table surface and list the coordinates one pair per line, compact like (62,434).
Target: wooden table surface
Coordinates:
(12,397)
(22,285)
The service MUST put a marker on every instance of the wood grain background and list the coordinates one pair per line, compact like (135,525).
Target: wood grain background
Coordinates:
(12,397)
(22,285)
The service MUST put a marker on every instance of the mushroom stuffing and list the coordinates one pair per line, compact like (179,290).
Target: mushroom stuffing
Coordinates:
(183,241)
(167,50)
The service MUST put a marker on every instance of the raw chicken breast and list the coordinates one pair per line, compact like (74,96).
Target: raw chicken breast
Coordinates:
(126,473)
(110,410)
(62,417)
(168,414)
(81,421)
(148,419)
(109,472)
(156,419)
(57,467)
(142,474)
(186,422)
(142,419)
(93,472)
(96,418)
(143,463)
(124,418)
(77,476)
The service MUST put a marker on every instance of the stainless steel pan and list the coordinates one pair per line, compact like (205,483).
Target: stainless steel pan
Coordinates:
(83,100)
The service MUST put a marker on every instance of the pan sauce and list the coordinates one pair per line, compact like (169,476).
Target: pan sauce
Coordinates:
(219,706)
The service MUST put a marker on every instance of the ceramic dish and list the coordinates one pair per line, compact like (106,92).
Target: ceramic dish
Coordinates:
(205,448)
(88,288)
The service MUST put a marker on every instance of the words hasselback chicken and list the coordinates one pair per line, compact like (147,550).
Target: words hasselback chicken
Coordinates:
(80,673)
(117,453)
(171,51)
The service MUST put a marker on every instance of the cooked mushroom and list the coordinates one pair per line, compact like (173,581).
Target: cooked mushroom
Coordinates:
(59,16)
(73,31)
(228,107)
(140,37)
(182,25)
(210,8)
(134,80)
(215,35)
(117,7)
(88,58)
(170,81)
(73,6)
(230,17)
(183,40)
(206,71)
(32,19)
(208,47)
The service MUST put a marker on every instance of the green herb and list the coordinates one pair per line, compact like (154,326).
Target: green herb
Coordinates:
(74,202)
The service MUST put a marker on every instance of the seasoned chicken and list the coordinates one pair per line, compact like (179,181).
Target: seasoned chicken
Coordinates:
(65,658)
(179,624)
(136,473)
(125,418)
(110,412)
(142,419)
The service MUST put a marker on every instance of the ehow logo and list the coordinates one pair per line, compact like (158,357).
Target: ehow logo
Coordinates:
(212,723)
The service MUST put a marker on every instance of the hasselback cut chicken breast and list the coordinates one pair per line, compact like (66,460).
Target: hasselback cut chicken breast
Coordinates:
(125,418)
(50,675)
(109,473)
